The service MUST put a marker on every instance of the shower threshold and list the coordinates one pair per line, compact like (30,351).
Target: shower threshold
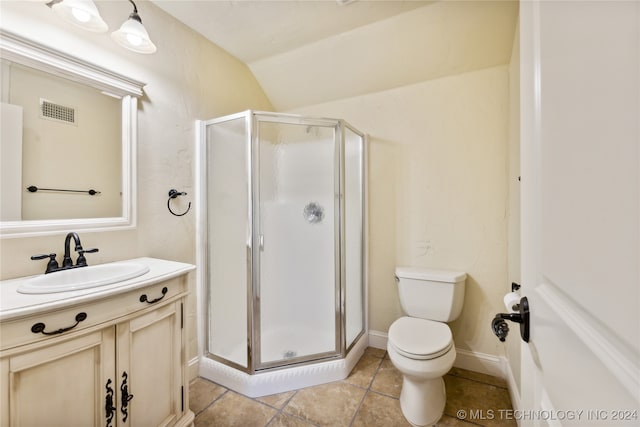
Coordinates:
(284,379)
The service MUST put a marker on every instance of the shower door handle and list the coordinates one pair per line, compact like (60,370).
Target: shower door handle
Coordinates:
(261,242)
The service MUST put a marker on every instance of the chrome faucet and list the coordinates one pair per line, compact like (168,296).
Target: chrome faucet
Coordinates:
(67,262)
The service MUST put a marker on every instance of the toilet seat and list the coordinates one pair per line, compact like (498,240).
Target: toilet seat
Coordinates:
(420,339)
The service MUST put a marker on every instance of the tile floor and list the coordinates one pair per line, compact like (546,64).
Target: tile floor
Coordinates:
(367,398)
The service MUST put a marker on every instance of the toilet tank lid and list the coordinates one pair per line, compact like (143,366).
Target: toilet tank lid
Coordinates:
(420,273)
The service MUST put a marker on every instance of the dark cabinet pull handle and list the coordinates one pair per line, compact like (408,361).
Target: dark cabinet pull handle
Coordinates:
(108,405)
(143,297)
(126,397)
(39,327)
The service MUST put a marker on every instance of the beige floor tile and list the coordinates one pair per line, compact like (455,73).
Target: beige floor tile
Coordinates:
(447,421)
(202,393)
(332,404)
(375,352)
(480,402)
(363,372)
(277,400)
(235,410)
(284,420)
(388,380)
(380,411)
(476,376)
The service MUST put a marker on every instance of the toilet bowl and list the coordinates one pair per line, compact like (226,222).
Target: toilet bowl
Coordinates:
(421,345)
(423,360)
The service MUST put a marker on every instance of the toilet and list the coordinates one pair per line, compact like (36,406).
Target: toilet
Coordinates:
(420,344)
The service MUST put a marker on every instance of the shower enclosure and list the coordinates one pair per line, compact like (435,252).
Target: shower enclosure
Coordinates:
(282,214)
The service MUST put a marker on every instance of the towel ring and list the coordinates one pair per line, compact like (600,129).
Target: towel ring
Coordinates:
(173,193)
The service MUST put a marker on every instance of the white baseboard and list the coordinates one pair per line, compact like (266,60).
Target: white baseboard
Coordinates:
(480,362)
(514,391)
(193,367)
(378,340)
(465,359)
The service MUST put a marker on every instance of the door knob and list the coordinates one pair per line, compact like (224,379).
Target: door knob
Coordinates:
(501,329)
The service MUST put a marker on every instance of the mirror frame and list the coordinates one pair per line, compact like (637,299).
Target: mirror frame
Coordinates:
(32,54)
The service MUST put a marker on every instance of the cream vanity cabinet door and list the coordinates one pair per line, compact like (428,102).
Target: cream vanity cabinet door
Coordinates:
(61,384)
(150,368)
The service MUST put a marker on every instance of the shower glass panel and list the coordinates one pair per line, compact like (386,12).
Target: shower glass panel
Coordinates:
(229,233)
(353,233)
(297,236)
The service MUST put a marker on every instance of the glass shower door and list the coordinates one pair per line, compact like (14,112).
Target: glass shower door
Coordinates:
(296,267)
(228,228)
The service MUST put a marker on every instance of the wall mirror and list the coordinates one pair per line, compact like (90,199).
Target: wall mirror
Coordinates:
(68,142)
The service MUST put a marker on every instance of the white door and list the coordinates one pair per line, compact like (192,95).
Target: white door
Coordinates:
(580,118)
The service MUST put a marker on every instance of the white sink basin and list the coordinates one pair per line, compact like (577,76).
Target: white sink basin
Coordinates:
(83,278)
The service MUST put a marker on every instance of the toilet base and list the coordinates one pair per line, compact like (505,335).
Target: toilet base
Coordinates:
(422,401)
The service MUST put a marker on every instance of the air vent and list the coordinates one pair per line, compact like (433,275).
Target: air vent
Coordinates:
(59,113)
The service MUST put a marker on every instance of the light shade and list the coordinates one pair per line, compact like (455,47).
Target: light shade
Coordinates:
(82,13)
(134,36)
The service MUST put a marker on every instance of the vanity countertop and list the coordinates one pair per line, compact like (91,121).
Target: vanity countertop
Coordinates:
(14,305)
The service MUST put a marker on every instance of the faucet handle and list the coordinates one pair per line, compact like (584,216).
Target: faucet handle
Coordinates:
(82,261)
(43,256)
(52,265)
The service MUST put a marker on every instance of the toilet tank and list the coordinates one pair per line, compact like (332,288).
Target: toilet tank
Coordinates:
(431,294)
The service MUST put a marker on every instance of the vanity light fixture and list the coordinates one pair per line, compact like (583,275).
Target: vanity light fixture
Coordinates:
(132,34)
(82,13)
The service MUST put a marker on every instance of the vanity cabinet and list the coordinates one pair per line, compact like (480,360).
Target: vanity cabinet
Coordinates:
(123,365)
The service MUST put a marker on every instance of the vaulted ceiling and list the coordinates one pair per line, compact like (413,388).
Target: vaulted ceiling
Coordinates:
(306,52)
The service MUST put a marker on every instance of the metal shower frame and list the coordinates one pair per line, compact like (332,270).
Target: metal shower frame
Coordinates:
(251,120)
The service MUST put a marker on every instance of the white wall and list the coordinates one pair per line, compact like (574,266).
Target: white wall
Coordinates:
(439,39)
(438,192)
(187,79)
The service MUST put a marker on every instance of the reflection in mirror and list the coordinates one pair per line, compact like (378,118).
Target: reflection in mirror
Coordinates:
(67,124)
(58,134)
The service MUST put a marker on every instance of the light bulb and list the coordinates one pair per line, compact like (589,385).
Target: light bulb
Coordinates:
(80,15)
(132,34)
(134,39)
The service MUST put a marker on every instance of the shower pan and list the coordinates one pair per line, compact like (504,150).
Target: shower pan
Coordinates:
(282,212)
